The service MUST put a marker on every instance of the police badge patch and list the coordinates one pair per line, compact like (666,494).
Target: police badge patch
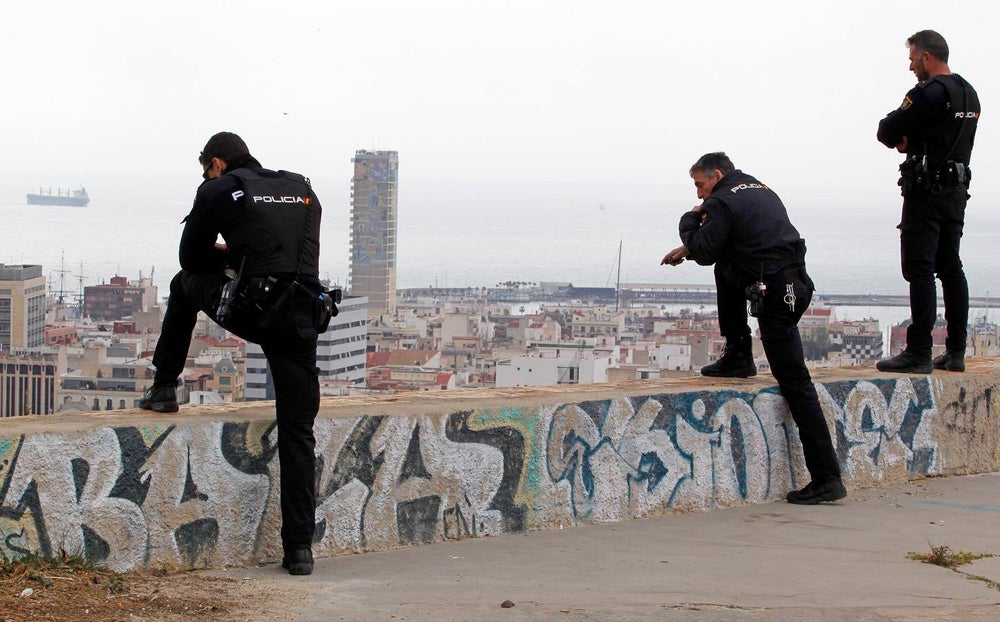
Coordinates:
(906,103)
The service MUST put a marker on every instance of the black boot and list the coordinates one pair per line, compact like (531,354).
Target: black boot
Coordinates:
(161,398)
(736,361)
(906,362)
(298,561)
(831,489)
(951,360)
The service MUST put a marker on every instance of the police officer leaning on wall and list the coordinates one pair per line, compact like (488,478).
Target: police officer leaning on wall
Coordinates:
(743,228)
(270,221)
(935,127)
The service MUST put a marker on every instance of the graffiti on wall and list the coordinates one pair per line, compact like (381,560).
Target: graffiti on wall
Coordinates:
(207,495)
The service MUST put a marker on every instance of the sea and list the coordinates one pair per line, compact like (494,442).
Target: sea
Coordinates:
(480,233)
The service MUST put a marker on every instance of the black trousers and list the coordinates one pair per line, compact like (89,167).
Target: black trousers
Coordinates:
(289,343)
(930,234)
(732,303)
(779,332)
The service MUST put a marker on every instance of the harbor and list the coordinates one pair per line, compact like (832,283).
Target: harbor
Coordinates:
(635,295)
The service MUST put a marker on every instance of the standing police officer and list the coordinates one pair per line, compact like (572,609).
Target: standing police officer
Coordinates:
(935,127)
(270,221)
(743,228)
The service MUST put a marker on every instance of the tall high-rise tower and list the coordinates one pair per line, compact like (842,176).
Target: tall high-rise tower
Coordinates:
(373,229)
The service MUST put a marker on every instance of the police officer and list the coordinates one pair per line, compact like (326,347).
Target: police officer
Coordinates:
(742,227)
(270,221)
(935,127)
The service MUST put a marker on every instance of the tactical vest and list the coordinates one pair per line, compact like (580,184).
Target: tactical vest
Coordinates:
(278,233)
(762,238)
(949,135)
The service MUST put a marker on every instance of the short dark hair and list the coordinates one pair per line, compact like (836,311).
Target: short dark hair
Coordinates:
(715,161)
(931,42)
(226,146)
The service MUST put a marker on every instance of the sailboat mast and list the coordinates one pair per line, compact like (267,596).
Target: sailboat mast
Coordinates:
(618,284)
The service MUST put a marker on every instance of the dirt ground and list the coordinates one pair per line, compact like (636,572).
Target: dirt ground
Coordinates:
(33,590)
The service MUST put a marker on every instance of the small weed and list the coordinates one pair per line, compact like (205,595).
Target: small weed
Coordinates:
(118,585)
(36,576)
(990,583)
(944,557)
(34,567)
(36,563)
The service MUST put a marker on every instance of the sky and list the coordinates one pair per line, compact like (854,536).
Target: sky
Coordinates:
(500,93)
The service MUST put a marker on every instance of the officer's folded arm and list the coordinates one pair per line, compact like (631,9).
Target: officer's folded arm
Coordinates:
(705,240)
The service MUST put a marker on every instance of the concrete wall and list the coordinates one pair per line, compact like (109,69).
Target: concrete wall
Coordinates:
(199,489)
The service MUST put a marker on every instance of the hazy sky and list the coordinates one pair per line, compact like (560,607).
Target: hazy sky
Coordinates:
(567,91)
(509,117)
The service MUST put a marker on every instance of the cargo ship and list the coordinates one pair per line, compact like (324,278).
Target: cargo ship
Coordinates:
(76,198)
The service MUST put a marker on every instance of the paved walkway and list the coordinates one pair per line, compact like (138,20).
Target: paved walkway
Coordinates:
(765,562)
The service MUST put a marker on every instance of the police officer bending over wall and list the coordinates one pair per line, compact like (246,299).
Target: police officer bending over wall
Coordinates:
(742,227)
(261,285)
(935,127)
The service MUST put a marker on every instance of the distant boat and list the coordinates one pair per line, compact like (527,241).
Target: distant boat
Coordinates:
(76,198)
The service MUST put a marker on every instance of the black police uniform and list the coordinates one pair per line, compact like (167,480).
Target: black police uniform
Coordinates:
(938,117)
(272,231)
(743,228)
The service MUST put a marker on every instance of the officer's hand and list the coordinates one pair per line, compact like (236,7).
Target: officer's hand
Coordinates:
(675,256)
(903,144)
(696,208)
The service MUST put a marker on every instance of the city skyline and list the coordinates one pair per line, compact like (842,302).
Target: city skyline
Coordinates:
(101,360)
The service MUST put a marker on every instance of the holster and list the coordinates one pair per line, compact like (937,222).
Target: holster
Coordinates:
(913,177)
(755,293)
(325,308)
(280,301)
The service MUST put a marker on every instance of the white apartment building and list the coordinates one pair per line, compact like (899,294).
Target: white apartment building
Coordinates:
(558,363)
(340,354)
(604,327)
(462,326)
(672,356)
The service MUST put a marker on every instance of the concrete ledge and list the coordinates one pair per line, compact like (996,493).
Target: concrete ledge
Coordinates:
(200,488)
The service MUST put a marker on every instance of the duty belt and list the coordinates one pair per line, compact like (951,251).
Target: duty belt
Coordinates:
(793,272)
(271,295)
(916,175)
(787,274)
